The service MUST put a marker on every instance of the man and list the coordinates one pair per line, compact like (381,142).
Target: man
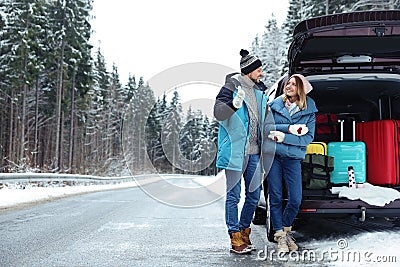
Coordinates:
(240,107)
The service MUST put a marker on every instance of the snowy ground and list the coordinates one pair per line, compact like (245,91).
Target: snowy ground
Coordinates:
(365,249)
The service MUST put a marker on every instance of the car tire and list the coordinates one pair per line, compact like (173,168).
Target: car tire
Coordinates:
(260,216)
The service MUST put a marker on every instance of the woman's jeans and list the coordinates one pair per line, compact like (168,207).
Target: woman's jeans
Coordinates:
(252,180)
(289,171)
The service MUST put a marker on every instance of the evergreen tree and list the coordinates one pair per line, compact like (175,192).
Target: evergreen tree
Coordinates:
(188,133)
(21,58)
(136,127)
(95,127)
(160,161)
(206,150)
(296,13)
(374,5)
(70,66)
(255,47)
(130,89)
(213,137)
(170,132)
(152,129)
(190,136)
(272,52)
(115,102)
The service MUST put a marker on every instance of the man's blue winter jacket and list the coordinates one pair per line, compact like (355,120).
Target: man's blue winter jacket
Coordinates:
(234,129)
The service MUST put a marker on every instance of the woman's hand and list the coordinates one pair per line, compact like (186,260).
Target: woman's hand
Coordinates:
(298,129)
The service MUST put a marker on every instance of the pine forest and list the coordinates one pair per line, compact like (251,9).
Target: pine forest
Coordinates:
(62,111)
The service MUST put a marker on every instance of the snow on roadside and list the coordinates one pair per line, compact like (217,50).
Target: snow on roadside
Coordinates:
(208,180)
(12,197)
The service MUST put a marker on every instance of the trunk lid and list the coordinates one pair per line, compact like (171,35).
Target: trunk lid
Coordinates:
(347,43)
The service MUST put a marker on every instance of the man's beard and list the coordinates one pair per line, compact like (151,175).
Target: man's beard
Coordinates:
(254,80)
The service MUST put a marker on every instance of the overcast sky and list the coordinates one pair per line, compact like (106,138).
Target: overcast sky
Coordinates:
(148,36)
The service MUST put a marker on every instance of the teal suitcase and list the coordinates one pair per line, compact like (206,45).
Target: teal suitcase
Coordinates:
(348,154)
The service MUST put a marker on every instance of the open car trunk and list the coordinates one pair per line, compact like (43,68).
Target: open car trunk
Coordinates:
(355,97)
(353,62)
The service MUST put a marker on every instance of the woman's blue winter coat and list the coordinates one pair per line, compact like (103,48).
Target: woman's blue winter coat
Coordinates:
(293,146)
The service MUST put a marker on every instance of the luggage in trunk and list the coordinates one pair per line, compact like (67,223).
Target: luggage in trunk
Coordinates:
(348,154)
(316,170)
(382,139)
(325,127)
(317,148)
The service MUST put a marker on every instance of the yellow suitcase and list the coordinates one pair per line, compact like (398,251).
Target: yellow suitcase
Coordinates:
(317,148)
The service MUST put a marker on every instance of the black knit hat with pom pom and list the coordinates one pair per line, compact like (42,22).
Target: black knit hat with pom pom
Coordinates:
(248,63)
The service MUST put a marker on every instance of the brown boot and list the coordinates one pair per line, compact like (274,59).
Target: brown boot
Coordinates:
(238,245)
(246,238)
(289,238)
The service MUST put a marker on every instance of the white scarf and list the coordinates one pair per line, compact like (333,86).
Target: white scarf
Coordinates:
(291,107)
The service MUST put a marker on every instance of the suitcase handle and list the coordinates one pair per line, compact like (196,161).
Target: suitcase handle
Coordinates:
(342,130)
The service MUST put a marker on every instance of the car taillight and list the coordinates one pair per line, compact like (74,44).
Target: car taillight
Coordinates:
(309,210)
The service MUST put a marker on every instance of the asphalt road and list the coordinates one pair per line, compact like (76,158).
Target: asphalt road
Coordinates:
(129,228)
(116,228)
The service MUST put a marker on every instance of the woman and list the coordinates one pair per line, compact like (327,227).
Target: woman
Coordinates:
(294,118)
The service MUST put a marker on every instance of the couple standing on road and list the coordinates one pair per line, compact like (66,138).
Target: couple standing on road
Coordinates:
(256,137)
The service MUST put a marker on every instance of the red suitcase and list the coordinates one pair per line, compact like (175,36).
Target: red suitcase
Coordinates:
(382,139)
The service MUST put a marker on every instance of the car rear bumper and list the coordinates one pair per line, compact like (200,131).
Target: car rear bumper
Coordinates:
(338,207)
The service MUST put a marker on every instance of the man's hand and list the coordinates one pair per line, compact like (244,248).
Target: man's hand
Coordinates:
(277,136)
(238,99)
(298,129)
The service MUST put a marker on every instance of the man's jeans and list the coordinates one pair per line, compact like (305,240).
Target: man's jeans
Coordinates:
(252,179)
(290,171)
